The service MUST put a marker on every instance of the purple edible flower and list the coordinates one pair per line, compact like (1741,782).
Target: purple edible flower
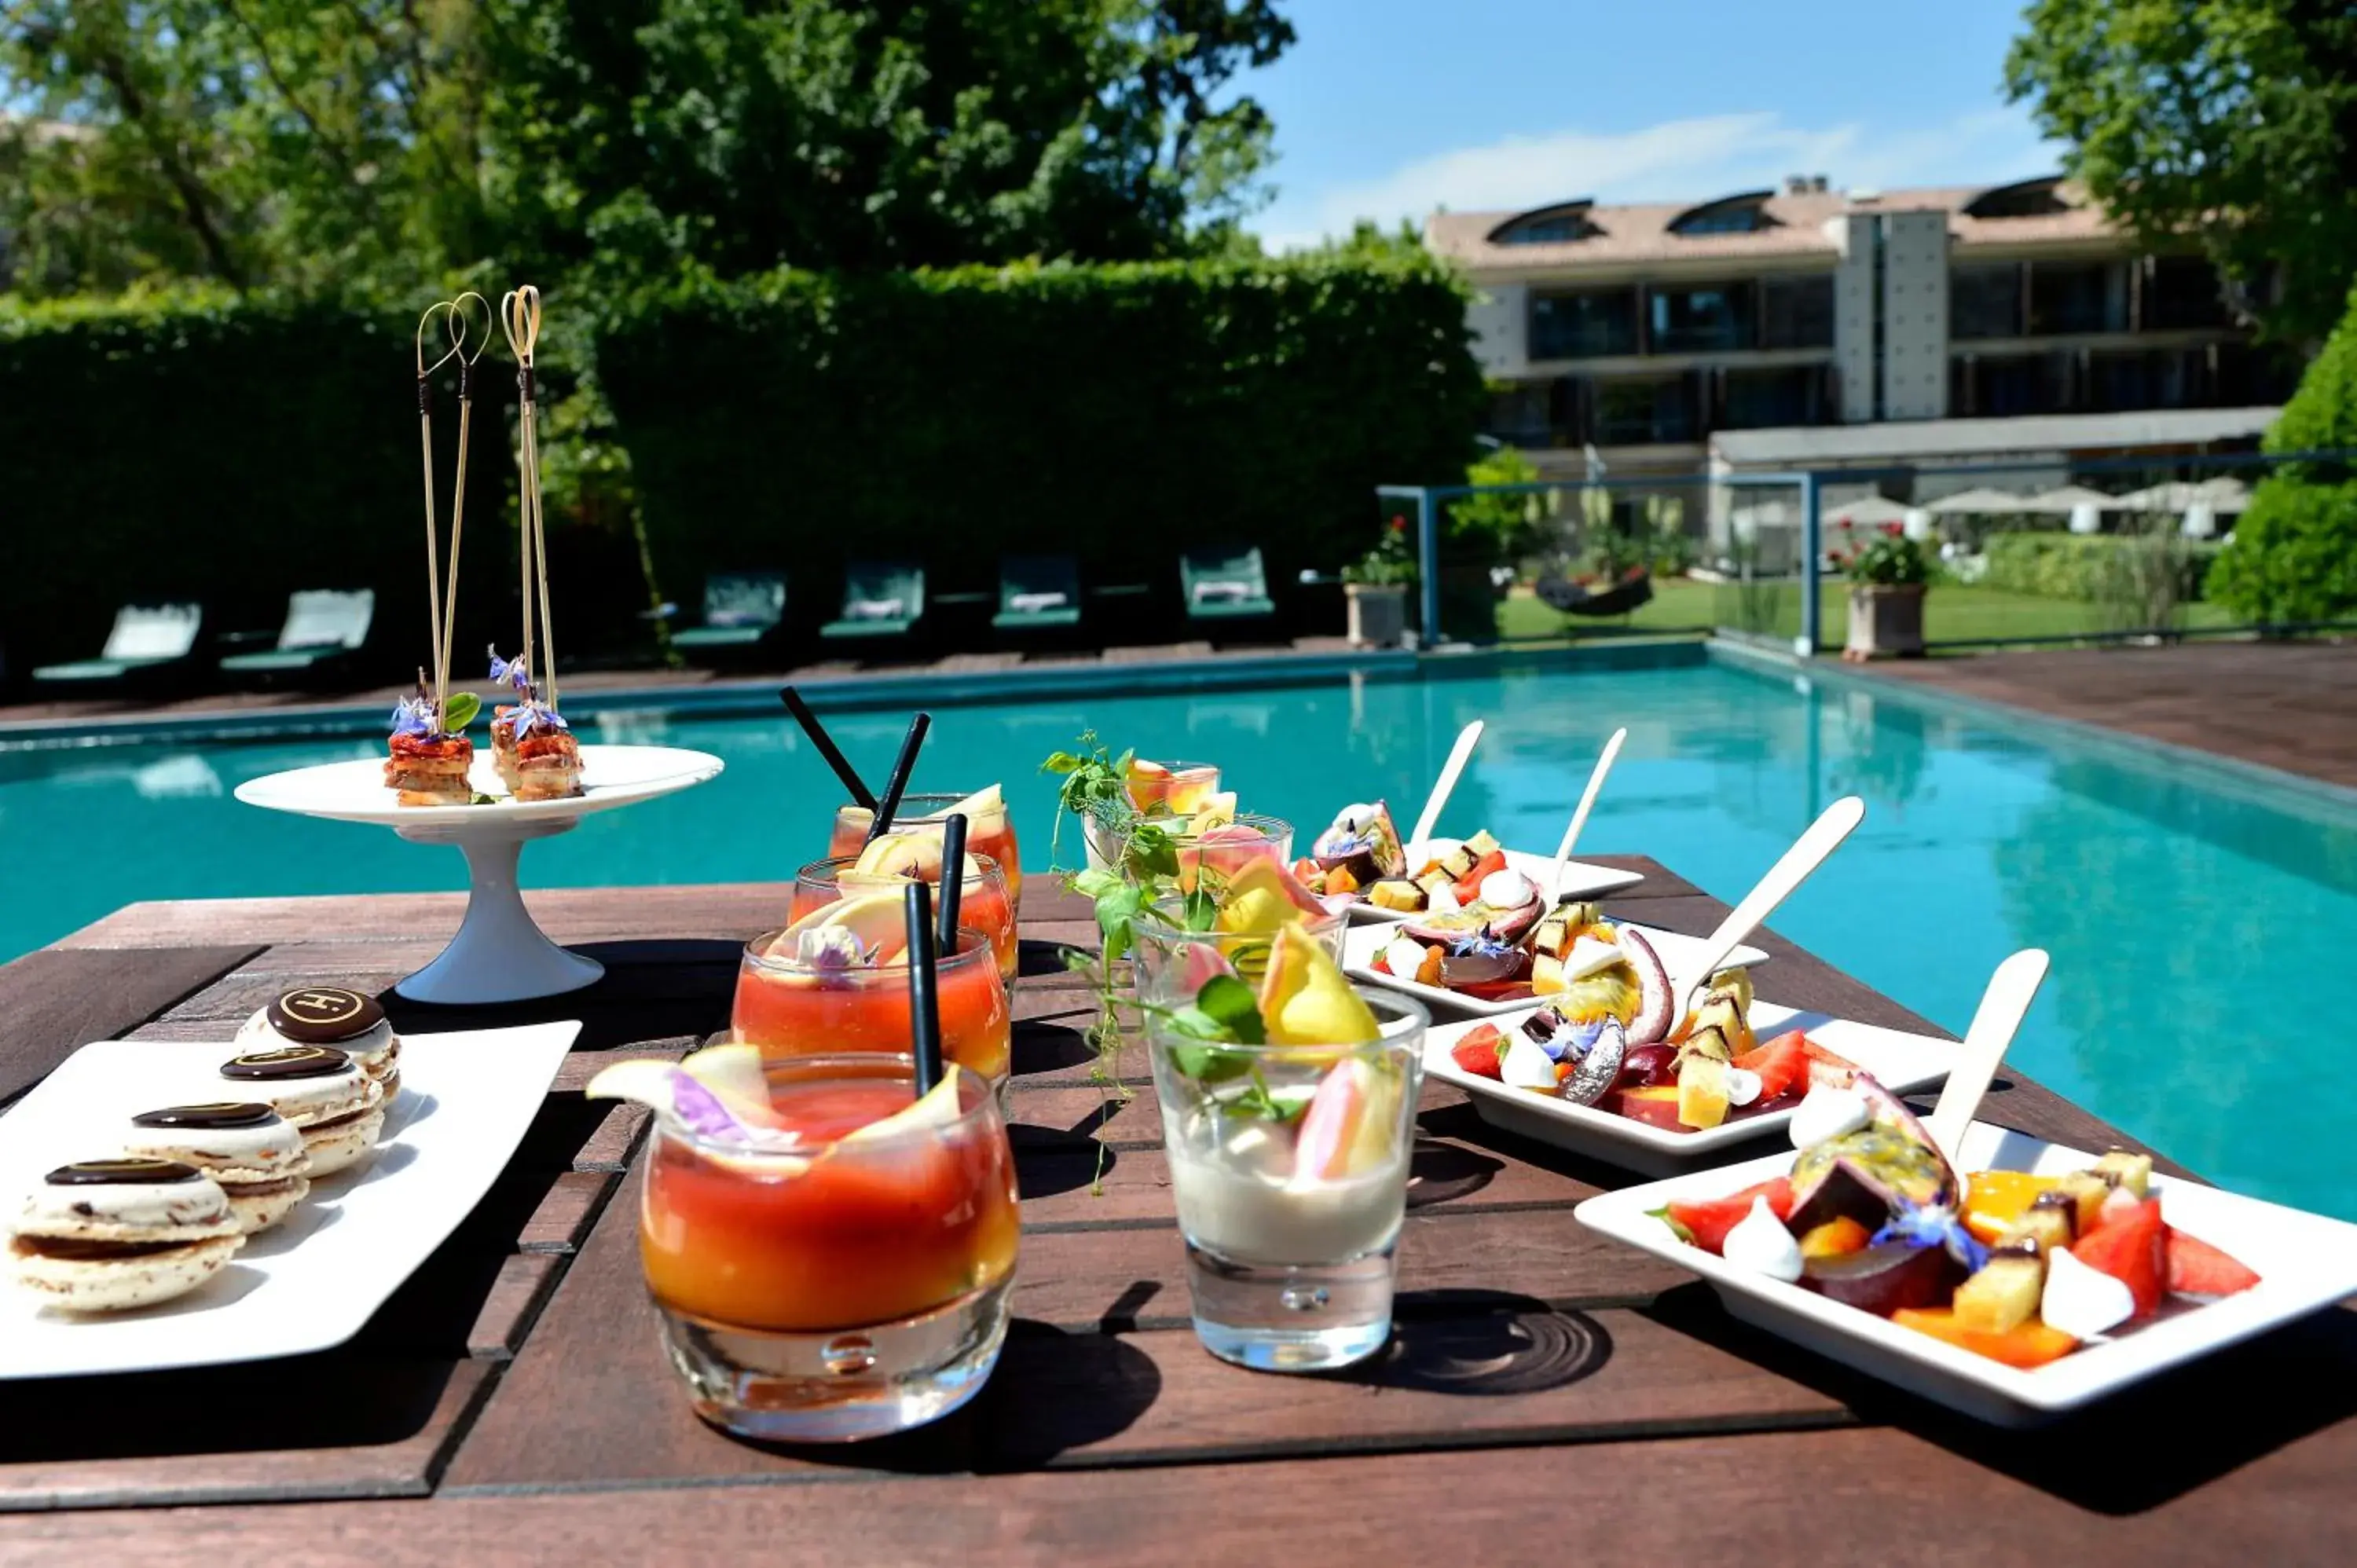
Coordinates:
(1933,1225)
(1481,944)
(700,1111)
(511,671)
(414,716)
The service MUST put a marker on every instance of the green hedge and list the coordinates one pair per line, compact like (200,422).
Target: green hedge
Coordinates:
(2294,558)
(1120,412)
(2078,566)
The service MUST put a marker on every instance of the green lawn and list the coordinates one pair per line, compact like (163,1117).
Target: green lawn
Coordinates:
(1952,612)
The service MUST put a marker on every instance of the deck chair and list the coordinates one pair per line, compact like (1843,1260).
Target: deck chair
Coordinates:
(1224,585)
(324,627)
(1037,593)
(146,640)
(880,600)
(740,610)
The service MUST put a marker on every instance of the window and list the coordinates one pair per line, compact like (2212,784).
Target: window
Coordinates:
(1546,231)
(1584,326)
(1702,319)
(2077,296)
(1633,412)
(1722,221)
(2029,199)
(2181,292)
(1758,400)
(1984,301)
(2011,384)
(1520,414)
(1797,312)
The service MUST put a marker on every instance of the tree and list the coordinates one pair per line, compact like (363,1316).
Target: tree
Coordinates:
(284,142)
(2229,122)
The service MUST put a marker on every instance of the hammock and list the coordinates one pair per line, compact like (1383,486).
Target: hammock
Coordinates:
(1575,599)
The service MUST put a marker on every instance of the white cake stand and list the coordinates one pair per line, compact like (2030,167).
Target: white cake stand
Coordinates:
(499,954)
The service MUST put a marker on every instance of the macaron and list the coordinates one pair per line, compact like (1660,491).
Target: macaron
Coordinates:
(105,1235)
(331,1015)
(256,1155)
(339,1109)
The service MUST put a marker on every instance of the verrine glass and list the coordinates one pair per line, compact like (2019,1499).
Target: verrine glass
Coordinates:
(853,1285)
(983,902)
(988,832)
(1289,1164)
(790,1007)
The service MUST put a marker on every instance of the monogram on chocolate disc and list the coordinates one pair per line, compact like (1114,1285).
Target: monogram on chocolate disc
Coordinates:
(288,1061)
(119,1173)
(322,1014)
(214,1113)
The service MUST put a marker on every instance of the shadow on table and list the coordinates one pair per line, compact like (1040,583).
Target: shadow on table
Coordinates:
(652,990)
(1484,1342)
(1464,1125)
(2130,1454)
(1034,956)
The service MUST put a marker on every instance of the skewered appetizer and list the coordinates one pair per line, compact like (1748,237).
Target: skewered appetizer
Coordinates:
(429,757)
(2020,1268)
(532,746)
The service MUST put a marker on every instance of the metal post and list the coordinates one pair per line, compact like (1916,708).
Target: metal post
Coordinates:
(1812,531)
(1428,564)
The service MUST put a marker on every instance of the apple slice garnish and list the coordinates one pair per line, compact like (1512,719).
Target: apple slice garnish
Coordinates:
(940,1106)
(878,922)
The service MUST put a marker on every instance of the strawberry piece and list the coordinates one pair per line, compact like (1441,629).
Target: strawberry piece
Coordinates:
(2130,1248)
(1708,1223)
(1468,887)
(2196,1268)
(1782,1065)
(1481,1052)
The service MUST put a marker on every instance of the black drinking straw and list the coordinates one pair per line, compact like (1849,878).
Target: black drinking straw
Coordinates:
(924,1004)
(860,793)
(953,882)
(898,782)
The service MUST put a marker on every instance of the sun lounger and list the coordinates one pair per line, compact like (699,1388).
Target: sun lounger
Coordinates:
(878,600)
(742,610)
(147,639)
(1037,593)
(324,627)
(1224,585)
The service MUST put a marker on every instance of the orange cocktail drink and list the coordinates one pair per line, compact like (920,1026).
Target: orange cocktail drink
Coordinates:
(841,1274)
(794,999)
(989,830)
(890,863)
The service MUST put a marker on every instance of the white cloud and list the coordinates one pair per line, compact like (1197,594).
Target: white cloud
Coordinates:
(1678,160)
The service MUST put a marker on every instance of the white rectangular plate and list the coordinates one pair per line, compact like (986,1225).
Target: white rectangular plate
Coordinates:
(1581,878)
(2304,1261)
(1361,945)
(1901,1062)
(466,1099)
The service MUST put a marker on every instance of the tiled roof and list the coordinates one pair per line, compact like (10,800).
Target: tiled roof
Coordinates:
(1641,232)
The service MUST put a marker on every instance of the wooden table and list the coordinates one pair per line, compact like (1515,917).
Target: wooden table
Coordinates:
(1549,1394)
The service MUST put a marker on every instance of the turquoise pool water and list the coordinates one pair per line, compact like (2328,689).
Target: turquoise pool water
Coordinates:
(2174,899)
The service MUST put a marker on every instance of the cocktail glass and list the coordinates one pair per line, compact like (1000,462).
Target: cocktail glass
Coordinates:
(1171,963)
(990,832)
(984,903)
(853,1286)
(1218,853)
(790,1008)
(1289,1163)
(1172,788)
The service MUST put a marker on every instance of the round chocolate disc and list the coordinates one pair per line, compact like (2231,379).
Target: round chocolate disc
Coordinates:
(216,1113)
(288,1061)
(322,1014)
(119,1173)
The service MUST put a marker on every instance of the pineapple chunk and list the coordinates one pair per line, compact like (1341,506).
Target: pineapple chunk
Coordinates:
(1482,844)
(1702,1091)
(1735,982)
(1553,938)
(1458,862)
(2134,1171)
(1391,893)
(2050,1221)
(2004,1294)
(1433,878)
(1706,1043)
(2086,1191)
(1723,1013)
(1547,975)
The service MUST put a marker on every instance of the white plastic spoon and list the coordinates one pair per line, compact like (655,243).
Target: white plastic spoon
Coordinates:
(2010,990)
(1459,755)
(1579,816)
(1792,869)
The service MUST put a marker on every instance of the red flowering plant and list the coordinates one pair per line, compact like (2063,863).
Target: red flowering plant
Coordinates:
(1391,564)
(1889,559)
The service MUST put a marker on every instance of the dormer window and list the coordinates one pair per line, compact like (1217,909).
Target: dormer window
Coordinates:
(1743,214)
(1558,225)
(2028,198)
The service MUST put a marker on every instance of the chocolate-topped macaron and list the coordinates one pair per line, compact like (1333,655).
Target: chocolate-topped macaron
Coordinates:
(331,1015)
(104,1235)
(339,1109)
(256,1155)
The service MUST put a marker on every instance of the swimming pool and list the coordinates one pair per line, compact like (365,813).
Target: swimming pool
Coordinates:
(2175,897)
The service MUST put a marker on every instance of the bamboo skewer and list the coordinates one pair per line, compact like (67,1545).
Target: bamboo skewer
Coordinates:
(425,447)
(520,315)
(458,320)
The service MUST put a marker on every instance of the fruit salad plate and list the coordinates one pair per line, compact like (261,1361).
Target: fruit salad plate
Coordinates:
(1581,878)
(2305,1262)
(1904,1062)
(464,1101)
(1363,944)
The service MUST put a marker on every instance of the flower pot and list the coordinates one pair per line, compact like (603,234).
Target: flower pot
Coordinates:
(1378,614)
(1886,621)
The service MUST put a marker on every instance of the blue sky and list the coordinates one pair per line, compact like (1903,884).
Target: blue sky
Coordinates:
(1387,108)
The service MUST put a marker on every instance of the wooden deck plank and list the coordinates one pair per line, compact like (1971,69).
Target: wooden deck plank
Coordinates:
(53,1002)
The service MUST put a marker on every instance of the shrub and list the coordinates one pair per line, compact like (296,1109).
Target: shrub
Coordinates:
(1119,412)
(2084,566)
(2294,555)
